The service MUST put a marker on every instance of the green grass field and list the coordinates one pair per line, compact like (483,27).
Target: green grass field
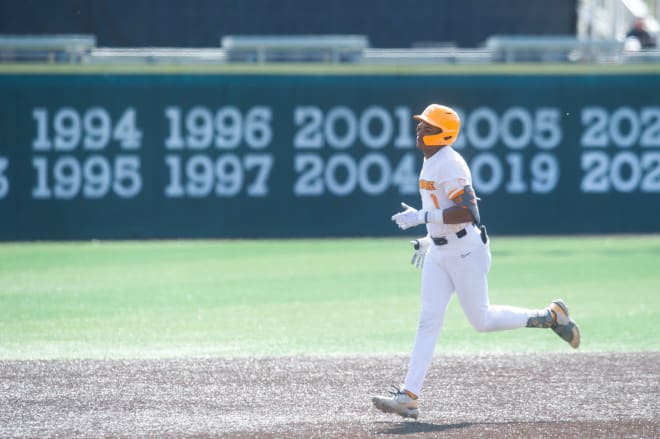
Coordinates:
(307,297)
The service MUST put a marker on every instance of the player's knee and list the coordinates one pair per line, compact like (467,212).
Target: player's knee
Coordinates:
(481,327)
(481,323)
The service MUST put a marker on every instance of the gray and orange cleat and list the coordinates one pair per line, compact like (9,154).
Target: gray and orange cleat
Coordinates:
(563,325)
(400,403)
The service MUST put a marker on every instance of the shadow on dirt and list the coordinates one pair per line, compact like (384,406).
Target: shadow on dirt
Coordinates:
(422,427)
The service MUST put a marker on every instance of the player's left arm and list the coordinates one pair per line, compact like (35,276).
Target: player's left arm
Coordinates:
(465,208)
(452,215)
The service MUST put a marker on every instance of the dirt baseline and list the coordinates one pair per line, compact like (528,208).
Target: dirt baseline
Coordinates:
(521,395)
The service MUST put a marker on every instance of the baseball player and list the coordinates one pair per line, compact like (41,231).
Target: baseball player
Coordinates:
(454,257)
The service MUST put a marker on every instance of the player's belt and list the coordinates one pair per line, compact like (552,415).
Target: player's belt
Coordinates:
(441,240)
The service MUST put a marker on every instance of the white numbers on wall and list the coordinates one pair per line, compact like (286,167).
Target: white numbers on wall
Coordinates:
(623,127)
(4,180)
(618,152)
(516,128)
(68,129)
(72,157)
(96,176)
(215,137)
(230,151)
(342,174)
(225,176)
(540,175)
(340,127)
(200,128)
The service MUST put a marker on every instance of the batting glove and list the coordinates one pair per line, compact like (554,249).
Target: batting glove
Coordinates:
(421,246)
(409,218)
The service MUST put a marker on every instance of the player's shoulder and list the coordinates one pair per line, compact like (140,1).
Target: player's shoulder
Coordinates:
(449,165)
(448,156)
(455,155)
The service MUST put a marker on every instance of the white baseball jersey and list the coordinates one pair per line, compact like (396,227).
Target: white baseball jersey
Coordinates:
(461,265)
(443,175)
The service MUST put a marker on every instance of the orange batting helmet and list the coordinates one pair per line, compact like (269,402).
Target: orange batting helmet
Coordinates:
(442,117)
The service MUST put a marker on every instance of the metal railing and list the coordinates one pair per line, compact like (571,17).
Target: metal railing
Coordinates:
(294,48)
(322,49)
(46,48)
(426,56)
(552,48)
(155,55)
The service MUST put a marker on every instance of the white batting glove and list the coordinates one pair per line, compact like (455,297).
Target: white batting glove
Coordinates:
(409,218)
(421,246)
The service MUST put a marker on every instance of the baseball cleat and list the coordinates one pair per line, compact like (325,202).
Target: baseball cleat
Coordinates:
(564,326)
(399,403)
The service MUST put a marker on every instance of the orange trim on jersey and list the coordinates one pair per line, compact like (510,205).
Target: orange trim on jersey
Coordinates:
(456,193)
(426,184)
(435,201)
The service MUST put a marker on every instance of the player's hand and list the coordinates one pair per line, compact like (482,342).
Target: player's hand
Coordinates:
(408,218)
(421,246)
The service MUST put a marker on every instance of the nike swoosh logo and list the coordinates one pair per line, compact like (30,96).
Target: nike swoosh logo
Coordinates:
(465,255)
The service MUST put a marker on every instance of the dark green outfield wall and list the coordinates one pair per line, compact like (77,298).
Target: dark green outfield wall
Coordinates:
(153,155)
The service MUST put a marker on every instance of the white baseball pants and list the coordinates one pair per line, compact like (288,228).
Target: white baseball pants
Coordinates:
(462,266)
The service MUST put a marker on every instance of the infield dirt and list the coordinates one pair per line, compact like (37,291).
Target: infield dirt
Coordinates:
(609,395)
